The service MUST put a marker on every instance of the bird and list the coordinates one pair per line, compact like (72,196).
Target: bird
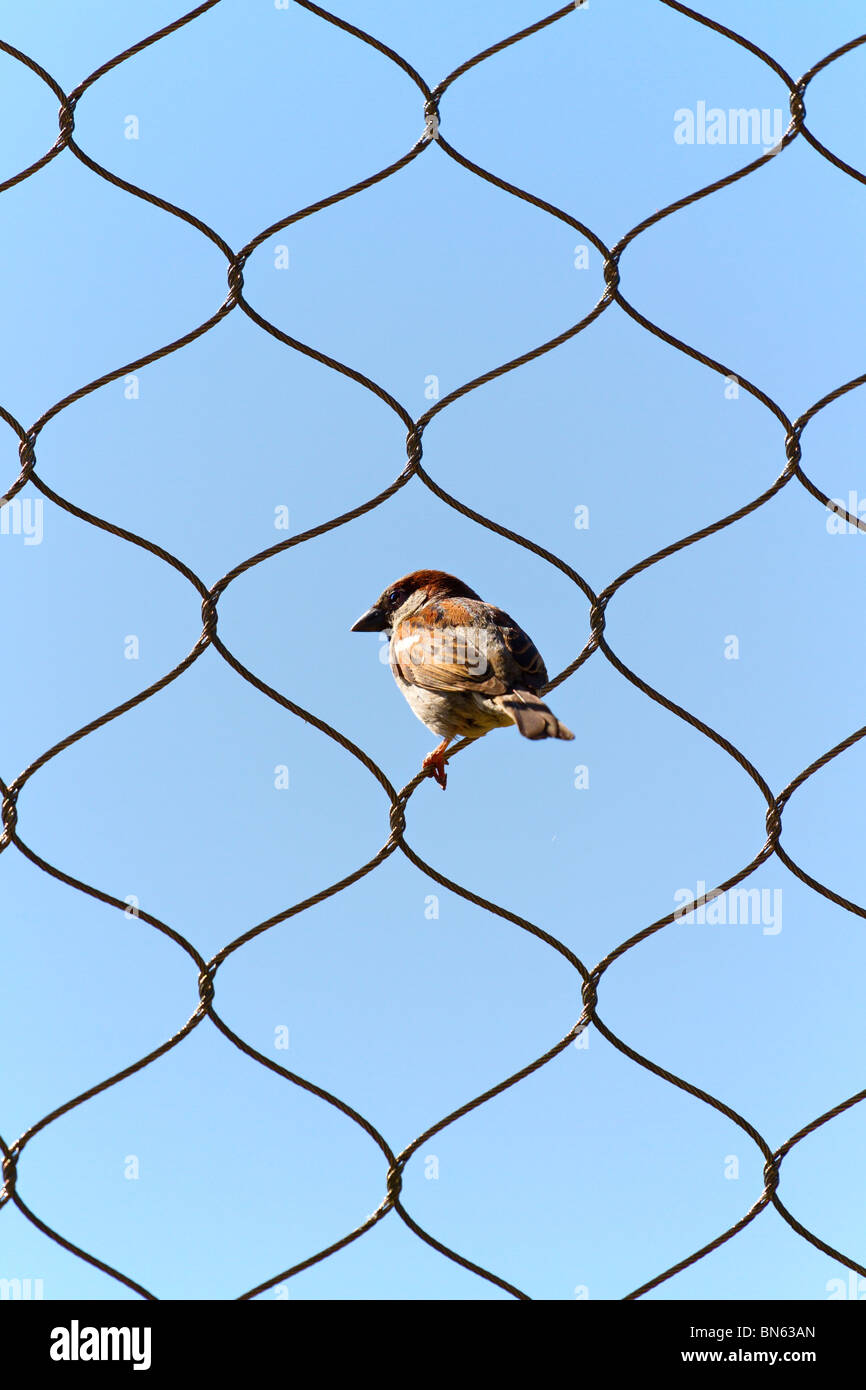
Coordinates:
(464,666)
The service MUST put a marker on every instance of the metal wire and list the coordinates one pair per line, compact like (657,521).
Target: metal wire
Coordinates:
(206,971)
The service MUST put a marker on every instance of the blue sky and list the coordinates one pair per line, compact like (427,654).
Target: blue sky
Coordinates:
(592,1174)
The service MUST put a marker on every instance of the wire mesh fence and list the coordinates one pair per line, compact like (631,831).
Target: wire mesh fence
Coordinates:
(591,977)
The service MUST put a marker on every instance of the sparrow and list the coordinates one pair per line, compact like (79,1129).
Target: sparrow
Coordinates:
(464,666)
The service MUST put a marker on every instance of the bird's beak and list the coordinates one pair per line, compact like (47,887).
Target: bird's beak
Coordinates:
(371,621)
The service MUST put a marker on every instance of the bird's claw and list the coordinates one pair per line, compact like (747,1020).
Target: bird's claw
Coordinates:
(434,763)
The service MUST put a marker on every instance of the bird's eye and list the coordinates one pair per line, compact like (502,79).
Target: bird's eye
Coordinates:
(392,597)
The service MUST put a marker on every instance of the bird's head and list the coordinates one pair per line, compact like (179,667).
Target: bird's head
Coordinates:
(406,595)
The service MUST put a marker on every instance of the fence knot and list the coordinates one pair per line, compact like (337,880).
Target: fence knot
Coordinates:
(397,819)
(771,1175)
(793,448)
(235,280)
(414,449)
(431,120)
(66,119)
(206,987)
(589,995)
(611,272)
(27,452)
(10,1175)
(9,812)
(395,1184)
(209,617)
(774,823)
(597,619)
(798,107)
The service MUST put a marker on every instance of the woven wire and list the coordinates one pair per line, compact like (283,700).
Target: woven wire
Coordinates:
(597,641)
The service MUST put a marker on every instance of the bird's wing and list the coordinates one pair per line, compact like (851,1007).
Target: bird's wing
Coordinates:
(526,669)
(464,645)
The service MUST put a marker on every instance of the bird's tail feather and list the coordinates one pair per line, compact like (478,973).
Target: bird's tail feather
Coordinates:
(532,716)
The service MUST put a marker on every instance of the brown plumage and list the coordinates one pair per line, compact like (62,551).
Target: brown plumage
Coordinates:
(464,666)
